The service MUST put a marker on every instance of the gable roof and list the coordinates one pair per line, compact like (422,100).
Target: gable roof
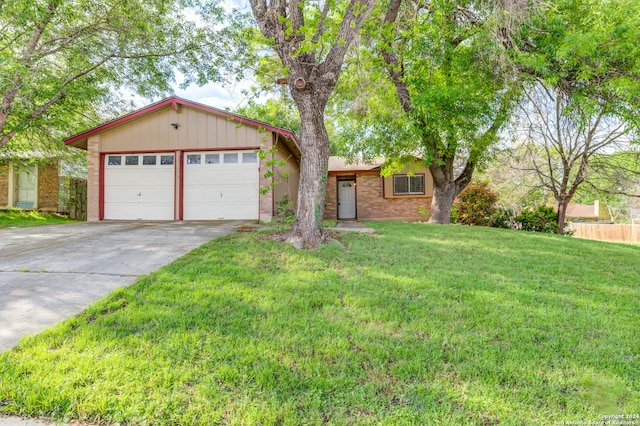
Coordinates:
(580,210)
(341,164)
(79,140)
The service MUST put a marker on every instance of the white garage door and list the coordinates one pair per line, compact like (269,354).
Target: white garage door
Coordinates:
(221,185)
(139,186)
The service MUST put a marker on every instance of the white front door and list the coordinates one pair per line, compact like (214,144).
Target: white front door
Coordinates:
(139,186)
(346,199)
(221,185)
(26,187)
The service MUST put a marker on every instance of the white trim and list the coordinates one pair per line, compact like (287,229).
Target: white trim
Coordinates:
(35,188)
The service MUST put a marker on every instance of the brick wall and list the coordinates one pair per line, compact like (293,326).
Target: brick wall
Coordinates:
(370,204)
(4,184)
(48,185)
(265,203)
(331,203)
(93,178)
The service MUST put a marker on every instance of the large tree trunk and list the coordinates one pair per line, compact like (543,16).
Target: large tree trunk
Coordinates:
(563,204)
(311,81)
(307,228)
(443,197)
(446,189)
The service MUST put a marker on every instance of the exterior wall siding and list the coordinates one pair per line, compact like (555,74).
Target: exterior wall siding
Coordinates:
(286,187)
(196,130)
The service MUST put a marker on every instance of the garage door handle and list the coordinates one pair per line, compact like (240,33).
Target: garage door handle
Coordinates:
(220,193)
(139,194)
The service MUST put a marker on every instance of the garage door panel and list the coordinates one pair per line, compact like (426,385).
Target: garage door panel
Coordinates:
(139,191)
(221,190)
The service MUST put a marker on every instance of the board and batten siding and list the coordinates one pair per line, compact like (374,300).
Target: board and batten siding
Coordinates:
(289,186)
(196,130)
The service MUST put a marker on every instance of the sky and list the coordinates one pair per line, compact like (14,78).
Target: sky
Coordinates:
(216,94)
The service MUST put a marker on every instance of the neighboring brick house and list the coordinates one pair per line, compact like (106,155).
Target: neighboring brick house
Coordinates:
(29,185)
(358,191)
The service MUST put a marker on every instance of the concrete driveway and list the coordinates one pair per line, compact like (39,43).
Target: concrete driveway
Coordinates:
(52,272)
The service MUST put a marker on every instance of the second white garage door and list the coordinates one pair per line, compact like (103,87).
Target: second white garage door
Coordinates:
(221,185)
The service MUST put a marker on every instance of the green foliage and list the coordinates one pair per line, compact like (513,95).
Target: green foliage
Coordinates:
(456,77)
(588,50)
(475,205)
(280,112)
(284,209)
(515,328)
(540,219)
(64,64)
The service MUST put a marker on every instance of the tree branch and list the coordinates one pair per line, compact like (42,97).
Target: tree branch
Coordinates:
(394,67)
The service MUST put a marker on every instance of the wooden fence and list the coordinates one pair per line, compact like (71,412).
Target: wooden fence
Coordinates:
(607,232)
(78,199)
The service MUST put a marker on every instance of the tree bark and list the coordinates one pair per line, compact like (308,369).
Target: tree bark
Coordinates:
(307,228)
(563,204)
(443,197)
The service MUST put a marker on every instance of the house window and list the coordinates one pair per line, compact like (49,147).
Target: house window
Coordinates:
(231,158)
(166,160)
(148,160)
(212,158)
(114,160)
(250,157)
(408,185)
(193,159)
(131,160)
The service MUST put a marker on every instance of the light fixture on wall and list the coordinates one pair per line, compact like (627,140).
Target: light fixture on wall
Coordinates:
(175,125)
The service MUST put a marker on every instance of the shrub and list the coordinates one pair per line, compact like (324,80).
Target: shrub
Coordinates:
(475,205)
(284,210)
(542,219)
(505,218)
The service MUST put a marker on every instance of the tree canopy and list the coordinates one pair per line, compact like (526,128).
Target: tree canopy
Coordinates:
(438,83)
(62,63)
(584,93)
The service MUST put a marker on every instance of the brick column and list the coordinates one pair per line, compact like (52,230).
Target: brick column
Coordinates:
(266,200)
(4,184)
(93,178)
(331,202)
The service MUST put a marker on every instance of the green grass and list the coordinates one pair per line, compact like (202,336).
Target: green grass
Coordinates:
(420,324)
(25,218)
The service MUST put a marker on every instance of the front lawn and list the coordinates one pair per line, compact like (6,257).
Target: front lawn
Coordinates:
(24,218)
(421,324)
